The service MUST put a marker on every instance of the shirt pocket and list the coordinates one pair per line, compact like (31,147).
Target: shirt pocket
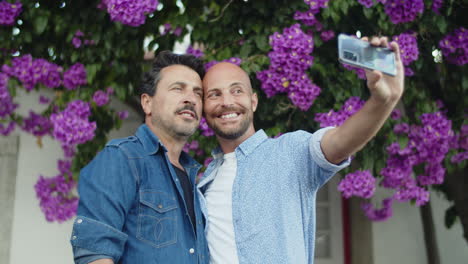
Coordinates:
(157,218)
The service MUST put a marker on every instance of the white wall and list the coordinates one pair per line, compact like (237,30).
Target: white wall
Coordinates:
(401,240)
(34,240)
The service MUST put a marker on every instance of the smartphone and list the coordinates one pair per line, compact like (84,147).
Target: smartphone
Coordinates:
(362,54)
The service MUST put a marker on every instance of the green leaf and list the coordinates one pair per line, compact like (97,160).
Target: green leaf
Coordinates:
(262,42)
(224,54)
(442,25)
(403,141)
(40,24)
(450,216)
(245,50)
(91,71)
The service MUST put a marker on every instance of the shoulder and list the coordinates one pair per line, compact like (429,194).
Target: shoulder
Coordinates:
(293,137)
(127,141)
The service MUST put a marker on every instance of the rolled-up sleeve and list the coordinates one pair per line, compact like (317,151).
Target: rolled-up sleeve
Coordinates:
(329,169)
(107,190)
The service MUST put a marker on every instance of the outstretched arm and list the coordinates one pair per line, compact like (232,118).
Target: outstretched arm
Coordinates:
(339,143)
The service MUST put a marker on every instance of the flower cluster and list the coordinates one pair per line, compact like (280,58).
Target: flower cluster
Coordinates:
(408,49)
(195,52)
(167,28)
(75,76)
(289,62)
(37,124)
(460,142)
(454,47)
(193,146)
(9,12)
(396,114)
(427,146)
(315,5)
(5,130)
(129,12)
(359,183)
(378,214)
(233,60)
(402,128)
(366,3)
(77,40)
(33,71)
(436,5)
(308,18)
(327,35)
(332,118)
(403,11)
(54,194)
(410,191)
(205,129)
(6,102)
(123,114)
(100,98)
(72,127)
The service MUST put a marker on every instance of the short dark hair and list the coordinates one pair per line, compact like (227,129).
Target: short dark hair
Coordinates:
(164,59)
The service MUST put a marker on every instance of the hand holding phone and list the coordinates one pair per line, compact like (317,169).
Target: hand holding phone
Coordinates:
(362,54)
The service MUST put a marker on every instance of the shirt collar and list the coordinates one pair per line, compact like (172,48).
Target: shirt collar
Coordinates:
(152,145)
(246,147)
(149,140)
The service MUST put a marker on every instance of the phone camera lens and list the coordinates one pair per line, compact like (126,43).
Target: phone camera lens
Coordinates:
(350,56)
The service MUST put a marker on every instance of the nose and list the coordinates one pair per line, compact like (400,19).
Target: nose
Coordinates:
(228,100)
(191,97)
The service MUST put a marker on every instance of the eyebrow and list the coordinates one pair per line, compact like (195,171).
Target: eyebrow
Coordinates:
(185,84)
(236,83)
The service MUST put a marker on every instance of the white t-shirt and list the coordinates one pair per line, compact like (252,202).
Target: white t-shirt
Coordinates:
(220,229)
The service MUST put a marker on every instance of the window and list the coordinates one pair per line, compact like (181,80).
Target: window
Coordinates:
(329,233)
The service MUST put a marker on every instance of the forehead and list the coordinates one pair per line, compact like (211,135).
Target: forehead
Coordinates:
(224,76)
(179,73)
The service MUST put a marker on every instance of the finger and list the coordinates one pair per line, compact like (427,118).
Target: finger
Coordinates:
(365,39)
(384,42)
(373,77)
(396,48)
(375,41)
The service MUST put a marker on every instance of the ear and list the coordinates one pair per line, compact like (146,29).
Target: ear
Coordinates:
(146,102)
(254,101)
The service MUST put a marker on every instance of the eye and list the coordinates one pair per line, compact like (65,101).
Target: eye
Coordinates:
(212,95)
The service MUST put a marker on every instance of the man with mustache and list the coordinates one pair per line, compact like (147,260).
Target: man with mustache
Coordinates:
(259,193)
(137,197)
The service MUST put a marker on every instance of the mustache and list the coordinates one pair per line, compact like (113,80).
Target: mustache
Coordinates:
(230,109)
(187,107)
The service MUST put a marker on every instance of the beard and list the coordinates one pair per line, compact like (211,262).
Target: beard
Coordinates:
(235,132)
(176,130)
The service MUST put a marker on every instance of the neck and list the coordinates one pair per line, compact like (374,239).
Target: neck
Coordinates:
(173,144)
(230,145)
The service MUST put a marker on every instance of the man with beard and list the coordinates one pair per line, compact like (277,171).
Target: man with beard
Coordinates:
(137,197)
(259,193)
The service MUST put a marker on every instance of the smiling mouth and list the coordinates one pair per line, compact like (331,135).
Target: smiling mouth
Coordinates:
(187,113)
(229,115)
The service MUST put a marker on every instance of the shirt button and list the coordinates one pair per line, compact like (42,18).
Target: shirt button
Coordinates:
(79,221)
(73,237)
(160,206)
(192,251)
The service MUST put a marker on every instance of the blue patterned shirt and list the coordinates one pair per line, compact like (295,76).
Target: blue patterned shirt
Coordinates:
(273,195)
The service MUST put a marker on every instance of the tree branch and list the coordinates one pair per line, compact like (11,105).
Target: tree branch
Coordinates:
(222,12)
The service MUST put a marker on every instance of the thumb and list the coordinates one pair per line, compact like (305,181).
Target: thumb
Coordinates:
(372,78)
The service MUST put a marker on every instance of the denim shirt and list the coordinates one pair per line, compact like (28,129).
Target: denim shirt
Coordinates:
(132,206)
(273,195)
